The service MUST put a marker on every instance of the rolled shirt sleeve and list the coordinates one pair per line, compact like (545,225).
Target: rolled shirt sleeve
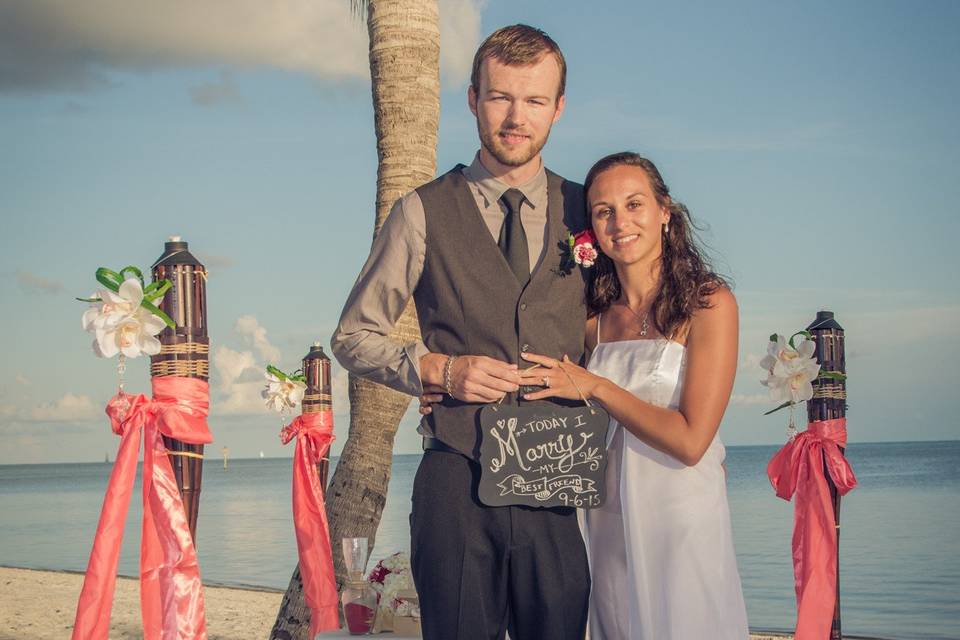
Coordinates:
(379,296)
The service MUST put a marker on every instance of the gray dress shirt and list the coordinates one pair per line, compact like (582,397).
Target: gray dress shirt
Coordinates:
(392,271)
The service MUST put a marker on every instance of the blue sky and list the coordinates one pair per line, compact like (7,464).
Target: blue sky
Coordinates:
(815,141)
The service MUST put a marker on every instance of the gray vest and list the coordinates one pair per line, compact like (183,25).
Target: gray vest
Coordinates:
(470,303)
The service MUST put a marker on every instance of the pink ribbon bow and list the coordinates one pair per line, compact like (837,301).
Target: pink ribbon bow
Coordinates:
(799,468)
(171,594)
(315,431)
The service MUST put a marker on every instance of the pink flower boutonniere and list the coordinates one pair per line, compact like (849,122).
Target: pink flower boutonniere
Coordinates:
(583,247)
(579,249)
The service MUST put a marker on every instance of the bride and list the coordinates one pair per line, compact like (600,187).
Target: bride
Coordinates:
(662,339)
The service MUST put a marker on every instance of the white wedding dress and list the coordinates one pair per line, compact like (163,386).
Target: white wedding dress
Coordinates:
(661,552)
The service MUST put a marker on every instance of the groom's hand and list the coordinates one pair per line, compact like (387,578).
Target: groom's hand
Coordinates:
(472,378)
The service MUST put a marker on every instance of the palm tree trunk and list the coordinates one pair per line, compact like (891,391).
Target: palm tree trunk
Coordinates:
(405,78)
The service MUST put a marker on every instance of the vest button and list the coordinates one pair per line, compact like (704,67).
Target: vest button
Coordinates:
(523,306)
(525,347)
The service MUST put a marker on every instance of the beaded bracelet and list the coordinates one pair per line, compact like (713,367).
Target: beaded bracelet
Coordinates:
(447,376)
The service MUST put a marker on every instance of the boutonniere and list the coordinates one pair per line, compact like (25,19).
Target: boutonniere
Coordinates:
(583,246)
(579,249)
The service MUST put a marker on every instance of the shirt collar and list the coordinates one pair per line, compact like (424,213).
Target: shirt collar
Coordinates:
(491,188)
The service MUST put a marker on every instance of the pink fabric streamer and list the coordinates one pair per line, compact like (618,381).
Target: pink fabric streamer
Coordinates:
(171,594)
(315,431)
(799,468)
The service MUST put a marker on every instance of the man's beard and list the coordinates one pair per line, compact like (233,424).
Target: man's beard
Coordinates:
(491,143)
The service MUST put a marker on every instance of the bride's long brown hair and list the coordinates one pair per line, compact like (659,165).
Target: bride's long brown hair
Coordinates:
(686,278)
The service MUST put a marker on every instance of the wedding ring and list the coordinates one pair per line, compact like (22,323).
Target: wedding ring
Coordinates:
(546,382)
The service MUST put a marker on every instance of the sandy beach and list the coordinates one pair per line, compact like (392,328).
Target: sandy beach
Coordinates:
(40,605)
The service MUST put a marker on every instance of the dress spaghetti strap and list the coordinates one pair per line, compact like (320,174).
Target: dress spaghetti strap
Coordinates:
(599,315)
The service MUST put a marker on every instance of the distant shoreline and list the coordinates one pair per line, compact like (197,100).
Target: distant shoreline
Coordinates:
(214,458)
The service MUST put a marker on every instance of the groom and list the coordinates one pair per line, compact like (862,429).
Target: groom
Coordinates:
(480,250)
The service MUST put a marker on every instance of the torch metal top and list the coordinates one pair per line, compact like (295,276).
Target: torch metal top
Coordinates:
(824,321)
(316,351)
(175,251)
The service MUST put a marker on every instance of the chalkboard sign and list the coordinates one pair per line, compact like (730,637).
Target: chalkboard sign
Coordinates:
(543,456)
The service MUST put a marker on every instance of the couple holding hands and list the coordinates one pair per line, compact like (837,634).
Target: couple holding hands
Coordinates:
(654,328)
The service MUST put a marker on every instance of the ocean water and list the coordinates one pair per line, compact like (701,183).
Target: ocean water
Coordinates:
(899,546)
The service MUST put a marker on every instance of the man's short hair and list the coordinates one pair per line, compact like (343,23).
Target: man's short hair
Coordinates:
(518,45)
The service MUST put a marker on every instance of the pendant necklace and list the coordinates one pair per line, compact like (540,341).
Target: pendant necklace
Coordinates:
(643,320)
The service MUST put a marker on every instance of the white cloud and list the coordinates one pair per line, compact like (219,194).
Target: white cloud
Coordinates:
(340,387)
(459,38)
(231,364)
(234,395)
(871,332)
(751,399)
(217,92)
(215,261)
(69,45)
(32,283)
(69,408)
(750,363)
(242,398)
(255,335)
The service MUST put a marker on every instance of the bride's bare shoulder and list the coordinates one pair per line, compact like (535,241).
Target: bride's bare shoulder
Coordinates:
(720,315)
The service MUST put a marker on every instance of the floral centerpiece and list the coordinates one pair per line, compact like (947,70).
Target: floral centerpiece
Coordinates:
(791,368)
(124,316)
(283,391)
(399,608)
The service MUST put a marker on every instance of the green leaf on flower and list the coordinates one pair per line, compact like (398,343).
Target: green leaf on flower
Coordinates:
(805,334)
(276,372)
(280,375)
(110,279)
(155,290)
(833,375)
(89,299)
(132,269)
(773,337)
(152,308)
(783,406)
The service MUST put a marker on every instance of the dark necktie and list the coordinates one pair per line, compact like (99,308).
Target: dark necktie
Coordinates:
(513,240)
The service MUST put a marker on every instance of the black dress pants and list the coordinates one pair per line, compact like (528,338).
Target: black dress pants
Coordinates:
(480,570)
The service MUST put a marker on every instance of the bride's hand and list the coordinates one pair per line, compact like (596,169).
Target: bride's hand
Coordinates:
(560,378)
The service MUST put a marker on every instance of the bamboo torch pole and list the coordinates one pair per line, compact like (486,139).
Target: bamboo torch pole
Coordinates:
(318,396)
(293,617)
(830,402)
(185,352)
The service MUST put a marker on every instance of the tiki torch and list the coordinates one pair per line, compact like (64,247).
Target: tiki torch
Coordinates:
(184,352)
(318,396)
(829,402)
(312,593)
